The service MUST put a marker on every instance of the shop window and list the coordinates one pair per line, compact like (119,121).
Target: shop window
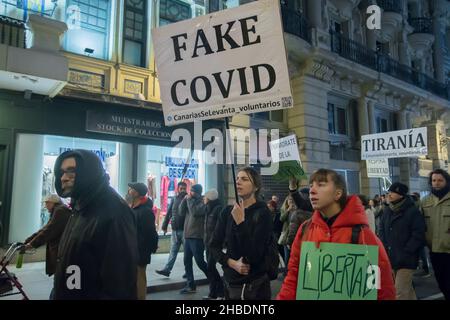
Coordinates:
(162,169)
(135,25)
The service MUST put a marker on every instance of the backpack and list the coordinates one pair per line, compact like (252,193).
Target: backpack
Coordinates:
(356,229)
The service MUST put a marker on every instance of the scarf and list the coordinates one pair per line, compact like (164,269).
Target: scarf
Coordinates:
(396,206)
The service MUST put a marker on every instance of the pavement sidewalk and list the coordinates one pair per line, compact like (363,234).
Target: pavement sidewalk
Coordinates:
(37,285)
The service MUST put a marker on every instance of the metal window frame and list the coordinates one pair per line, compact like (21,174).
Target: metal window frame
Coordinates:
(143,41)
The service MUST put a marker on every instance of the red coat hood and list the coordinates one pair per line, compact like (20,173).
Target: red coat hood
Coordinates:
(352,214)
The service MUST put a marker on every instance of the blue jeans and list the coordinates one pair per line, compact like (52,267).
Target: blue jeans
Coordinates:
(176,239)
(194,248)
(287,254)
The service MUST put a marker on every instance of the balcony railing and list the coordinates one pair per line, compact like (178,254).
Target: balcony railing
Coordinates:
(356,52)
(295,23)
(353,50)
(391,5)
(421,25)
(12,32)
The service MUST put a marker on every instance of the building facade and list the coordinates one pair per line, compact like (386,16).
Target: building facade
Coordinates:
(81,74)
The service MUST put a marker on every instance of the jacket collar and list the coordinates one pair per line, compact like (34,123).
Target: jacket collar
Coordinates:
(446,197)
(142,201)
(352,214)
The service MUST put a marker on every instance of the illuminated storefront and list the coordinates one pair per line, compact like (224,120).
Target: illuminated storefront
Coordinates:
(133,144)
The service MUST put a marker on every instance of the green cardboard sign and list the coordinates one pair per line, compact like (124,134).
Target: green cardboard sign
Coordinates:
(290,169)
(337,271)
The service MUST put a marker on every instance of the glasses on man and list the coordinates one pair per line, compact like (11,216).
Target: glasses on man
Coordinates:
(70,172)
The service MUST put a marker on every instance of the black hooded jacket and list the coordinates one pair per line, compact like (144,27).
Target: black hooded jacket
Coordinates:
(147,235)
(249,240)
(213,210)
(403,234)
(100,240)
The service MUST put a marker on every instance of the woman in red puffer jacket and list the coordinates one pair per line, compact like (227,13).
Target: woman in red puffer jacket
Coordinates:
(333,219)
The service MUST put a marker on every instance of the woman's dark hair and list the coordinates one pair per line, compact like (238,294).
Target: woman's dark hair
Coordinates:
(255,178)
(364,200)
(322,175)
(442,173)
(376,202)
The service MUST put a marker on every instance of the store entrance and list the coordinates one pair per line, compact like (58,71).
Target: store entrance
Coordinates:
(3,162)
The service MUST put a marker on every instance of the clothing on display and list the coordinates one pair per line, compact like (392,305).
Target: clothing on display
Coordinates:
(166,182)
(151,186)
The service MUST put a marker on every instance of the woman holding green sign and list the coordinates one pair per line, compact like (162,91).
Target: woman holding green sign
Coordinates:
(335,256)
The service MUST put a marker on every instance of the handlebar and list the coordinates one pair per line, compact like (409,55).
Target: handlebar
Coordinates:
(16,246)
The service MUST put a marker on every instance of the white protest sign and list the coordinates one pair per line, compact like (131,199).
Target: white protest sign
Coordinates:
(378,168)
(285,149)
(395,144)
(224,63)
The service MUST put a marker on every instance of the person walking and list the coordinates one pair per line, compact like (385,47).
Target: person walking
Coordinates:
(146,232)
(334,219)
(370,212)
(436,210)
(213,209)
(402,231)
(98,252)
(51,233)
(194,210)
(247,230)
(177,223)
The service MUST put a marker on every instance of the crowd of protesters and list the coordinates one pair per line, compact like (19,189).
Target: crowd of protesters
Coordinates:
(100,228)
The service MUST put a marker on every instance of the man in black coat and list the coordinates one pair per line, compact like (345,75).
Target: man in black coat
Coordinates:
(98,252)
(214,208)
(402,231)
(146,232)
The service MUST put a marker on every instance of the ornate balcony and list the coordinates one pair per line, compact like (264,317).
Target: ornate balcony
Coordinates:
(359,53)
(421,25)
(353,50)
(391,5)
(391,19)
(422,37)
(345,7)
(295,23)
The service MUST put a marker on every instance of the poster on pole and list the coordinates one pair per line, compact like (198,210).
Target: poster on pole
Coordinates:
(378,168)
(338,271)
(222,64)
(284,149)
(395,144)
(285,152)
